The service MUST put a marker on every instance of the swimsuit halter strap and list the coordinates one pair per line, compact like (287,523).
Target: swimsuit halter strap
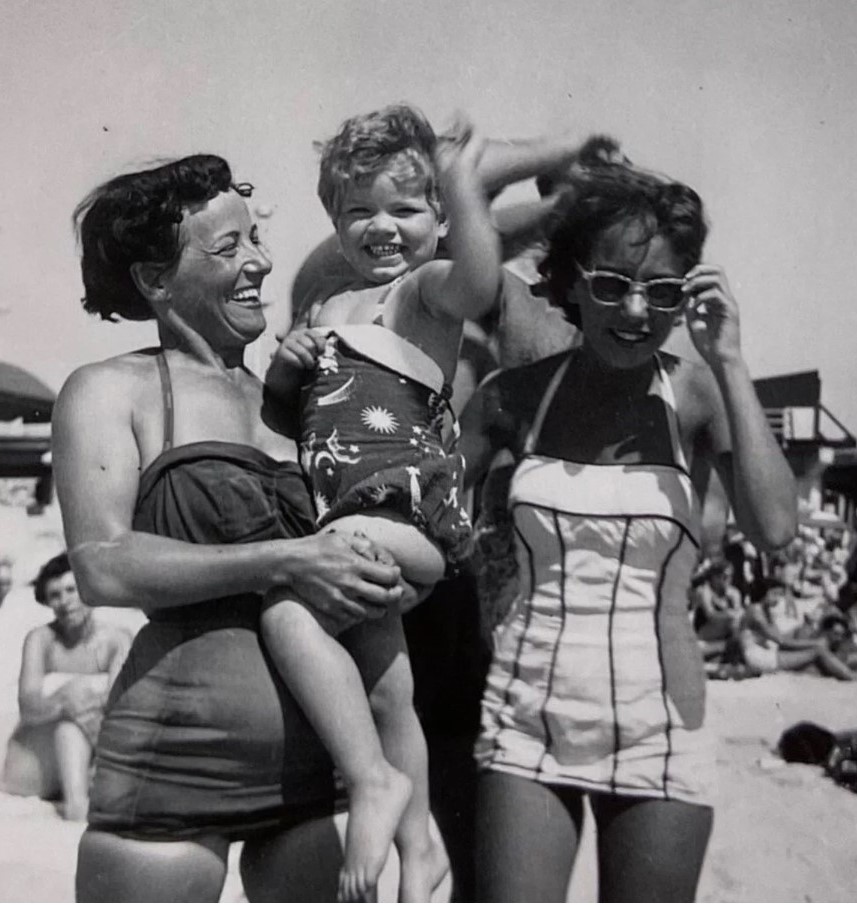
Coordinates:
(664,388)
(167,396)
(382,300)
(541,412)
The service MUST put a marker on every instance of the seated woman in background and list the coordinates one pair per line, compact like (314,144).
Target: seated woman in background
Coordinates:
(717,609)
(766,648)
(67,668)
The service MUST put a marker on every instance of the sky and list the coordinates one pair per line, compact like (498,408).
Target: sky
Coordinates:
(751,102)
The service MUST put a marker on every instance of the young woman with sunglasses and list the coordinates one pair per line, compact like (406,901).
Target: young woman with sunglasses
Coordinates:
(596,687)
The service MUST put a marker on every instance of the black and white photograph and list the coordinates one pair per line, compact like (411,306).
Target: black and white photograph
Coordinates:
(428,451)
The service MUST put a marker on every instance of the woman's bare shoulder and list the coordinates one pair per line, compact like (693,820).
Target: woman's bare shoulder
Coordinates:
(111,378)
(39,637)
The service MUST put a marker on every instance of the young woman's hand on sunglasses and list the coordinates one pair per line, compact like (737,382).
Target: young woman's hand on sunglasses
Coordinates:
(712,315)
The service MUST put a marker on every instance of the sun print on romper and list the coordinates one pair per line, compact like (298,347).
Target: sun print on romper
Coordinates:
(379,419)
(380,494)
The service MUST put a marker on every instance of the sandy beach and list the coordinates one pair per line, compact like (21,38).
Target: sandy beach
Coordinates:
(782,833)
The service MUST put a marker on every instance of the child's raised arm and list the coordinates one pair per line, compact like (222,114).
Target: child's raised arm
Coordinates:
(466,287)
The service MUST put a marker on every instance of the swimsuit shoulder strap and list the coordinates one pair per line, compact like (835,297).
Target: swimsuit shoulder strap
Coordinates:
(547,398)
(378,320)
(167,396)
(663,387)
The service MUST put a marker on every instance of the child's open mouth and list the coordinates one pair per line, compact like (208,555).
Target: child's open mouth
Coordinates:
(384,251)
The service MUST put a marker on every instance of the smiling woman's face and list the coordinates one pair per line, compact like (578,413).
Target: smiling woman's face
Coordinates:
(628,334)
(62,597)
(216,284)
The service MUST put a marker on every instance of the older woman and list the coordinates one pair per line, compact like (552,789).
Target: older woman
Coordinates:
(596,686)
(180,495)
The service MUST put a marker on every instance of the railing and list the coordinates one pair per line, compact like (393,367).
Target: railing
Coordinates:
(802,424)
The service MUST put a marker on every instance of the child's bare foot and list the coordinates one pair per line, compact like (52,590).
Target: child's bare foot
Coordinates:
(375,808)
(422,870)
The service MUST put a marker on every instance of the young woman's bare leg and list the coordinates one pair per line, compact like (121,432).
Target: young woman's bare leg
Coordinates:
(526,839)
(649,850)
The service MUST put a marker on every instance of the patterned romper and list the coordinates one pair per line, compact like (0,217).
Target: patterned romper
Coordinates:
(372,418)
(597,680)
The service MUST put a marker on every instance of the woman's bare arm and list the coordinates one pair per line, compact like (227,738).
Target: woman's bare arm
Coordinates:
(35,707)
(751,465)
(97,467)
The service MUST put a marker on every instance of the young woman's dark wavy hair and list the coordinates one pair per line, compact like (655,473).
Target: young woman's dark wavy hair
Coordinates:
(135,218)
(603,196)
(53,568)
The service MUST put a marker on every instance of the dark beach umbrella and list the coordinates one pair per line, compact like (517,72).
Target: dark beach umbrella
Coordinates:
(23,396)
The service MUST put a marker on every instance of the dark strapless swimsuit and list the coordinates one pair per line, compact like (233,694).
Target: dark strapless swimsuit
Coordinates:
(200,735)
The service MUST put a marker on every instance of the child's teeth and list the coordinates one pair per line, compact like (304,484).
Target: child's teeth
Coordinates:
(383,251)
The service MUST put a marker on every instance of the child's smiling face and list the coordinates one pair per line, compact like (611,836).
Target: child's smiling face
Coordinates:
(387,227)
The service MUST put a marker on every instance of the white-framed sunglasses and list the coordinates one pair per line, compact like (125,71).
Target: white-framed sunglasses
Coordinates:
(607,288)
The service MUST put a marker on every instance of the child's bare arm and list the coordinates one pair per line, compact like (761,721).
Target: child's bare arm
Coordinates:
(468,286)
(298,351)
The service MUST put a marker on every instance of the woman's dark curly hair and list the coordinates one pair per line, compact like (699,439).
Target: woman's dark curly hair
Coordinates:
(135,218)
(52,569)
(603,196)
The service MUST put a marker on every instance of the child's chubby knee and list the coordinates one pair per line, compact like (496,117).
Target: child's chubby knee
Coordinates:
(280,614)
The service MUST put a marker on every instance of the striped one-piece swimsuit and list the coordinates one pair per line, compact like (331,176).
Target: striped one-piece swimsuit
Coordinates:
(596,680)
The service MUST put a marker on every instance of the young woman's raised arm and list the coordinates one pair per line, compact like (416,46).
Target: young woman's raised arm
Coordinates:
(749,461)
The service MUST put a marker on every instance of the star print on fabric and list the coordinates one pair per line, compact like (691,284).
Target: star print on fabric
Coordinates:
(327,361)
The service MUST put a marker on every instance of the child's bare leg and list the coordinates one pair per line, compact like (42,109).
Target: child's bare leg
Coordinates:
(325,682)
(422,562)
(423,860)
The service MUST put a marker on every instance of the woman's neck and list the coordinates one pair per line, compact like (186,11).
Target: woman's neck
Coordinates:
(73,636)
(193,346)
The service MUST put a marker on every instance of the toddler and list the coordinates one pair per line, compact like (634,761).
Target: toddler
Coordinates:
(373,365)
